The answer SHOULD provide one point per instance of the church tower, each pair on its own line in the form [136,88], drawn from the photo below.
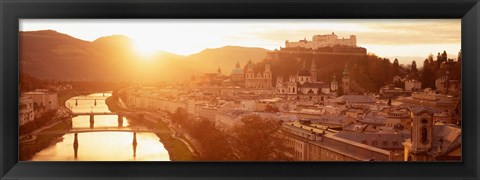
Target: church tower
[249,74]
[303,75]
[267,76]
[334,84]
[421,136]
[219,72]
[313,72]
[346,80]
[268,73]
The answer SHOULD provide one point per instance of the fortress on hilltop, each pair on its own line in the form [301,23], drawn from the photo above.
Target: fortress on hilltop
[320,41]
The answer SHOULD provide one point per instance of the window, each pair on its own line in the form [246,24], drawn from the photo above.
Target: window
[424,136]
[424,121]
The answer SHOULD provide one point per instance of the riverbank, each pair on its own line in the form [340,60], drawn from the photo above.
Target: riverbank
[28,149]
[65,95]
[177,149]
[113,104]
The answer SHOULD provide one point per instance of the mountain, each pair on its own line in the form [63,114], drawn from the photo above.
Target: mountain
[52,55]
[226,57]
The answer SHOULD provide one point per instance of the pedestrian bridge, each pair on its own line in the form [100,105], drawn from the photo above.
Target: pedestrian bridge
[95,113]
[103,129]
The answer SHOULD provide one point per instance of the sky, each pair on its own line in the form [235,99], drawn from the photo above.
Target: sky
[403,38]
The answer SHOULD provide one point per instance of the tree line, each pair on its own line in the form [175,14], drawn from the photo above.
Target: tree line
[368,71]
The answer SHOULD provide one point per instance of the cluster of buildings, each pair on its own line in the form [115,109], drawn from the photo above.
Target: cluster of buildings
[343,128]
[321,124]
[35,103]
[443,85]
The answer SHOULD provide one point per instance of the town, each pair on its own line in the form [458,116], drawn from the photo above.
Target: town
[414,117]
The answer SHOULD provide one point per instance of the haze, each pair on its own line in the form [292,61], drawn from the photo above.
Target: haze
[403,39]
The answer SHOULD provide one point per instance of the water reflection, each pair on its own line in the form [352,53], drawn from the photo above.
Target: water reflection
[102,146]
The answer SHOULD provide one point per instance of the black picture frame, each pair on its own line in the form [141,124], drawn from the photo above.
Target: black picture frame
[13,10]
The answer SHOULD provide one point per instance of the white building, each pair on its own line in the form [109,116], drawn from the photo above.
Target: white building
[319,41]
[48,99]
[26,112]
[413,85]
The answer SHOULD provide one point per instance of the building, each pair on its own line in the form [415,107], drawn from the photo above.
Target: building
[334,84]
[268,104]
[346,80]
[413,85]
[313,142]
[392,91]
[230,118]
[304,85]
[45,98]
[260,80]
[26,112]
[399,119]
[387,140]
[237,76]
[320,41]
[355,100]
[429,142]
[429,98]
[445,85]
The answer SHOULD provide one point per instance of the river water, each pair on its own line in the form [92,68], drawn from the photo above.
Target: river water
[102,146]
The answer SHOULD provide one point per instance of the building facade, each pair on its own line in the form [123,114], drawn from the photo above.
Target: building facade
[260,80]
[26,112]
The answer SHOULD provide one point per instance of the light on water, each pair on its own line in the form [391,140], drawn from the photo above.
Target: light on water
[102,146]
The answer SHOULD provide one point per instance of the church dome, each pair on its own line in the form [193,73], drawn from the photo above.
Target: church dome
[237,70]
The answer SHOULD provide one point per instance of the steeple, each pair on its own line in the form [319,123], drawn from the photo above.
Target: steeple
[346,81]
[237,65]
[345,70]
[313,72]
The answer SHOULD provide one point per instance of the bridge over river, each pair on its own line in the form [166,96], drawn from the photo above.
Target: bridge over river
[76,131]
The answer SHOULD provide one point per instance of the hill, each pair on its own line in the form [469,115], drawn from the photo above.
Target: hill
[48,54]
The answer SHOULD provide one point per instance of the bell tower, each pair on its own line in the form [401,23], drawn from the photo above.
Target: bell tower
[346,80]
[421,135]
[313,72]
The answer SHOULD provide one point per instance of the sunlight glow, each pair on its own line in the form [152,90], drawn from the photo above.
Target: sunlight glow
[145,49]
[187,36]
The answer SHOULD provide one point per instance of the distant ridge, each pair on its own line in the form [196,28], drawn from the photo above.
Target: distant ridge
[47,54]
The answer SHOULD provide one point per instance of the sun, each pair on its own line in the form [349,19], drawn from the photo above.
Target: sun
[145,49]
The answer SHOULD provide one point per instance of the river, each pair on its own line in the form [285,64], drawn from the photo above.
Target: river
[102,146]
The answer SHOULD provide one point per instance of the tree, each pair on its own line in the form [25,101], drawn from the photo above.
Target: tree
[259,139]
[414,67]
[215,143]
[459,57]
[180,116]
[444,57]
[427,74]
[396,68]
[430,58]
